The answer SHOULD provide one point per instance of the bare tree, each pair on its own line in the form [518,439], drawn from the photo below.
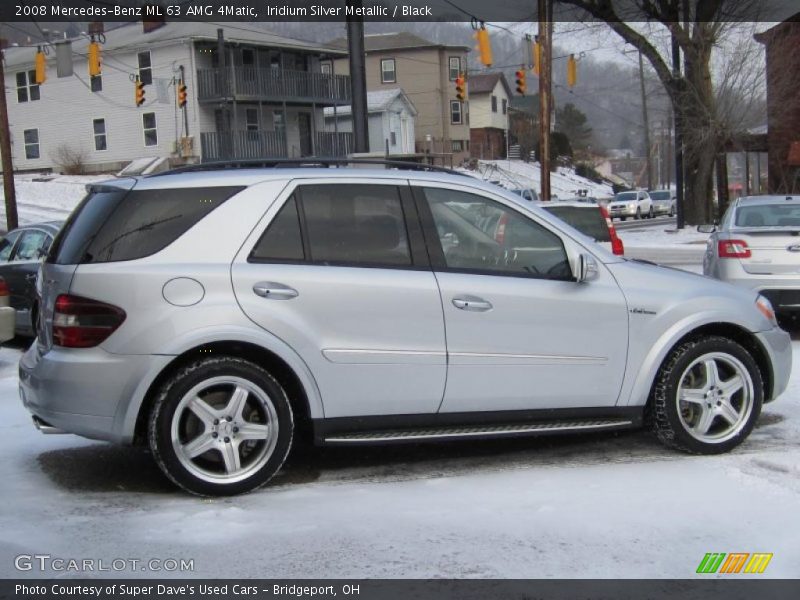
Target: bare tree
[71,160]
[698,27]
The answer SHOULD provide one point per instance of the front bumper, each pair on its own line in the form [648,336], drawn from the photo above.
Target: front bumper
[778,345]
[621,211]
[87,391]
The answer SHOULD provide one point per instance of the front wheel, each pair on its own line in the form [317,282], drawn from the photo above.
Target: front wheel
[638,214]
[221,426]
[651,214]
[707,396]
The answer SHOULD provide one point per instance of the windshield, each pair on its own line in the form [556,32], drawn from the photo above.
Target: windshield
[661,195]
[625,196]
[768,215]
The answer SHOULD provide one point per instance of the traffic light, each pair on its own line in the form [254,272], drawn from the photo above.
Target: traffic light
[461,87]
[572,71]
[537,57]
[139,92]
[484,46]
[181,94]
[521,83]
[41,66]
[94,59]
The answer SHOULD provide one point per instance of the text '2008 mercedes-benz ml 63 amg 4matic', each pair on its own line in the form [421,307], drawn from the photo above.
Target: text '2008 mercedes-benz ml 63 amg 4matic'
[216,313]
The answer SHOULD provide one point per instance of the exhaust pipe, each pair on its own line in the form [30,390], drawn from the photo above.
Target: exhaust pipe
[45,427]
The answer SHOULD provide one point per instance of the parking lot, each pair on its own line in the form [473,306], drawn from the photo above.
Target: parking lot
[603,505]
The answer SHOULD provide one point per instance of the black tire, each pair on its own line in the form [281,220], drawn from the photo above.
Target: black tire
[174,389]
[663,409]
[638,214]
[651,214]
[622,218]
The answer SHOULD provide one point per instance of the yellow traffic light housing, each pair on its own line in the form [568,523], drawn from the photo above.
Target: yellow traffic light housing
[94,59]
[461,87]
[139,92]
[181,94]
[521,82]
[572,71]
[40,64]
[484,46]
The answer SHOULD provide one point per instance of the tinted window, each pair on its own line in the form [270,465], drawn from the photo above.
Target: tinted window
[7,245]
[113,225]
[478,234]
[355,224]
[768,215]
[282,239]
[588,220]
[31,246]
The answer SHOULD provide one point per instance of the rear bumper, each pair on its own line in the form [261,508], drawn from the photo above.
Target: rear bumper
[7,323]
[88,392]
[778,345]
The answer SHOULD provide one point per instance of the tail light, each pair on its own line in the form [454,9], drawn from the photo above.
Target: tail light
[3,287]
[83,323]
[500,231]
[733,249]
[616,243]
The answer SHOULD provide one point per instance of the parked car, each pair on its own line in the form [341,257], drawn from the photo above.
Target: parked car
[757,246]
[322,304]
[527,193]
[631,204]
[663,202]
[21,253]
[7,314]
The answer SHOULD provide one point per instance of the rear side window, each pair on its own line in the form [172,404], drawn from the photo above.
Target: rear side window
[588,220]
[355,224]
[115,225]
[282,239]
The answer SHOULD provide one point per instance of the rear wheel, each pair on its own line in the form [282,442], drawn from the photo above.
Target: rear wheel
[622,218]
[221,426]
[707,396]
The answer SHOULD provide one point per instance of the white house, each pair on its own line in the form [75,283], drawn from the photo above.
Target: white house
[267,101]
[489,97]
[391,121]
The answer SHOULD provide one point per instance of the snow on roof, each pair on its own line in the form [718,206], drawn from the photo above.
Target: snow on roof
[377,101]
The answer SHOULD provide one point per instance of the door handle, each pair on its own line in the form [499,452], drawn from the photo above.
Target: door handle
[275,291]
[472,303]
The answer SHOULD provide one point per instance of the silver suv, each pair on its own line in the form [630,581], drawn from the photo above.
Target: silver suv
[220,315]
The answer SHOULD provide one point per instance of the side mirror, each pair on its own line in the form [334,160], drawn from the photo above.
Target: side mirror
[707,228]
[587,268]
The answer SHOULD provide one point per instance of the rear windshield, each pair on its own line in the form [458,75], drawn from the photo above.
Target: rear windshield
[114,225]
[589,220]
[768,215]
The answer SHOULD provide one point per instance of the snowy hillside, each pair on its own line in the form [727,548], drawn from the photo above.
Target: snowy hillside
[518,174]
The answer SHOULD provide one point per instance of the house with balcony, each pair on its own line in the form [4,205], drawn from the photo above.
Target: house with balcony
[250,94]
[426,72]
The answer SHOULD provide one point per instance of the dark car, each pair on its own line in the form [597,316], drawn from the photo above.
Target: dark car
[21,253]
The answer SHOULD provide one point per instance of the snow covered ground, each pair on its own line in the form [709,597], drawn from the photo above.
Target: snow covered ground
[50,200]
[589,506]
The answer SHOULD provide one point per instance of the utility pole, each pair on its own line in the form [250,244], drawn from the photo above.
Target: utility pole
[679,196]
[647,148]
[5,152]
[545,101]
[358,80]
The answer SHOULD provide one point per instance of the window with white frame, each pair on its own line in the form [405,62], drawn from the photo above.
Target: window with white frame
[494,103]
[99,130]
[325,68]
[455,67]
[456,116]
[457,146]
[505,106]
[145,68]
[278,120]
[27,88]
[96,83]
[31,137]
[150,129]
[388,71]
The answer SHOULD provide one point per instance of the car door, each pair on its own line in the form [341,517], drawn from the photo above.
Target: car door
[338,271]
[522,333]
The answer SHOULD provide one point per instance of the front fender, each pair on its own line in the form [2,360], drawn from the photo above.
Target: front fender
[127,414]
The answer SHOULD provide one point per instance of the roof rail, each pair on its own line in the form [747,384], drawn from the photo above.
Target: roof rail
[275,163]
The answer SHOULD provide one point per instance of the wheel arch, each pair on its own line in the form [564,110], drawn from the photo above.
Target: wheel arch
[272,354]
[645,380]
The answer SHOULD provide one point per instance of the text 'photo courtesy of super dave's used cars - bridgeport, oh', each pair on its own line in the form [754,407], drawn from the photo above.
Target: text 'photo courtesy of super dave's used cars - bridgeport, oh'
[335,303]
